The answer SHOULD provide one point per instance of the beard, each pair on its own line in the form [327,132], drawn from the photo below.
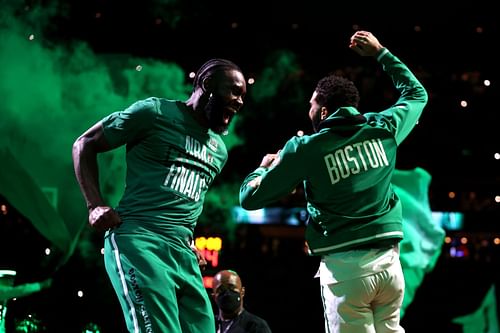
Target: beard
[315,121]
[214,111]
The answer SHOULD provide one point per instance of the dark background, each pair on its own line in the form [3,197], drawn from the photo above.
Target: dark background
[451,49]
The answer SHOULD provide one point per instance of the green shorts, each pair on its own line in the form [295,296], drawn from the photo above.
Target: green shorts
[158,283]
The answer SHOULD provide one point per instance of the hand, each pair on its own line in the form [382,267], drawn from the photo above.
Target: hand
[365,44]
[103,218]
[202,262]
[270,160]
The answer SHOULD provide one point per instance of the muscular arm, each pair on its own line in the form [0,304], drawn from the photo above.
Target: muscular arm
[85,150]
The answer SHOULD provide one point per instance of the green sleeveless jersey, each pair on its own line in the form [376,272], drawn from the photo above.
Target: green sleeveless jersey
[171,162]
[346,168]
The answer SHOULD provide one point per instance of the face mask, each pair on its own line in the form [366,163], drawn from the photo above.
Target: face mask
[228,301]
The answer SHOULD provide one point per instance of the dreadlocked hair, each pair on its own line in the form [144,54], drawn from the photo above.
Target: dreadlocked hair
[211,67]
[335,91]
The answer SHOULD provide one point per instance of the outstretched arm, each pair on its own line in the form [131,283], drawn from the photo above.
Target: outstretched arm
[277,176]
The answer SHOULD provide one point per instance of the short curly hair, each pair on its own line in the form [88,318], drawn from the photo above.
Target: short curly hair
[334,91]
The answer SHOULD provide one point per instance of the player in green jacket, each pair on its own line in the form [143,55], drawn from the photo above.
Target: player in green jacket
[355,217]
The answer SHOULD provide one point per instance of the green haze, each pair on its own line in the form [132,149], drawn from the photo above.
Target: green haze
[52,93]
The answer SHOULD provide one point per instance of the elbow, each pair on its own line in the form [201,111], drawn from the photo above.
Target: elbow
[418,95]
[77,147]
[247,204]
[425,96]
[244,203]
[83,146]
[421,94]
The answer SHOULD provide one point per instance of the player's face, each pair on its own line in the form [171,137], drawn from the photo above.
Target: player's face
[314,112]
[225,100]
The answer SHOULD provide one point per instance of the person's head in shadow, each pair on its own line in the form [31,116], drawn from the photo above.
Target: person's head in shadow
[228,293]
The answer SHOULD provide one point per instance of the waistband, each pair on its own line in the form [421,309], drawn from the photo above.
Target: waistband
[379,245]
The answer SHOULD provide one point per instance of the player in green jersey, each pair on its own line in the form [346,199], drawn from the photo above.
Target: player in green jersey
[174,152]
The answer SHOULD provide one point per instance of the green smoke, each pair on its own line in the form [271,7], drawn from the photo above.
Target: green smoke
[281,67]
[52,93]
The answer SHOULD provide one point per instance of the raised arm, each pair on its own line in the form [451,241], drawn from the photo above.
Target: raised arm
[413,96]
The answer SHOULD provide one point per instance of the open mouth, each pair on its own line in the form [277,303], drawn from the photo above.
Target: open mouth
[228,115]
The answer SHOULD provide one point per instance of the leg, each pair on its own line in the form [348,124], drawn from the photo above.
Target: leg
[144,281]
[347,306]
[196,314]
[387,304]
